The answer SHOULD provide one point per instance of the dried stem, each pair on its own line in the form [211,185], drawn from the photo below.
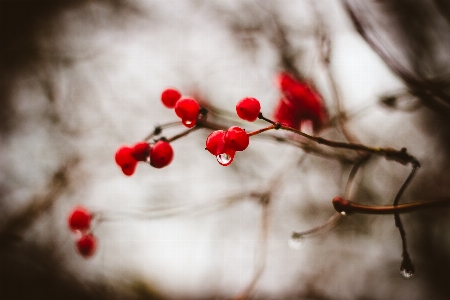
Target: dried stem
[400,156]
[348,207]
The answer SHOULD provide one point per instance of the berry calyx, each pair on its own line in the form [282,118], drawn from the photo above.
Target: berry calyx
[248,109]
[161,154]
[79,219]
[236,138]
[86,245]
[169,97]
[140,151]
[124,158]
[188,110]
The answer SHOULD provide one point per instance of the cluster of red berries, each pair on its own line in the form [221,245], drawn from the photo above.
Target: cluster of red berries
[186,109]
[158,155]
[80,222]
[225,144]
[299,103]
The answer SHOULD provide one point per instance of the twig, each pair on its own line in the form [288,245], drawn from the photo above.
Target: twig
[348,207]
[400,156]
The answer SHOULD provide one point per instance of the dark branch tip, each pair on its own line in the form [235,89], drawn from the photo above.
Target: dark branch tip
[341,205]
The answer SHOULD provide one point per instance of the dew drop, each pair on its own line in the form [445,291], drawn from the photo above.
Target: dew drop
[406,274]
[296,242]
[224,159]
[343,213]
[188,122]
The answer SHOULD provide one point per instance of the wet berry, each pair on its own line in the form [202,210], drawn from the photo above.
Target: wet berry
[169,97]
[236,138]
[248,109]
[124,158]
[213,141]
[86,245]
[161,154]
[140,151]
[80,219]
[187,109]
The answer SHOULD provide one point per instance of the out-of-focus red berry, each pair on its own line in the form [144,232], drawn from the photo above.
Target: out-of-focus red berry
[140,151]
[299,102]
[161,154]
[79,219]
[248,109]
[188,110]
[86,245]
[124,158]
[169,97]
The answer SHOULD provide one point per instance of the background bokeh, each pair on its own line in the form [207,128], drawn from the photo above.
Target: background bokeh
[81,78]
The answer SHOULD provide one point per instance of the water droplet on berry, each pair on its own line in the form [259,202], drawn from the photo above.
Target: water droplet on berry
[406,274]
[224,159]
[188,122]
[343,213]
[296,242]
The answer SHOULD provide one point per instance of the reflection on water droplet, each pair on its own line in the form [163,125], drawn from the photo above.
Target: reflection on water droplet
[343,213]
[296,242]
[188,122]
[224,159]
[406,274]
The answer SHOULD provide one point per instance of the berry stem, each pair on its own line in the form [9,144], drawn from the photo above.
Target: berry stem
[261,130]
[158,129]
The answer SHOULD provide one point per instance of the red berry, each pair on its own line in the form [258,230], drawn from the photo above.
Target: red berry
[187,109]
[80,219]
[86,245]
[299,102]
[169,97]
[248,109]
[124,158]
[161,154]
[213,141]
[224,144]
[129,169]
[140,151]
[236,138]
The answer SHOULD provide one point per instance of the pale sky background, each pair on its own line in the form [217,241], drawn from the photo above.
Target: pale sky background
[95,86]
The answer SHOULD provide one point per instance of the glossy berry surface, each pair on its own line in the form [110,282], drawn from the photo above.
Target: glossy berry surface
[124,158]
[161,154]
[169,97]
[86,245]
[248,109]
[188,110]
[215,141]
[140,151]
[236,138]
[298,104]
[80,219]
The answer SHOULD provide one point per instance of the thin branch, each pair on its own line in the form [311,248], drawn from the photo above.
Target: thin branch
[347,207]
[400,156]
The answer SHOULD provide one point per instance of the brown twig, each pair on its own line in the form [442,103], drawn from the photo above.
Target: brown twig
[347,207]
